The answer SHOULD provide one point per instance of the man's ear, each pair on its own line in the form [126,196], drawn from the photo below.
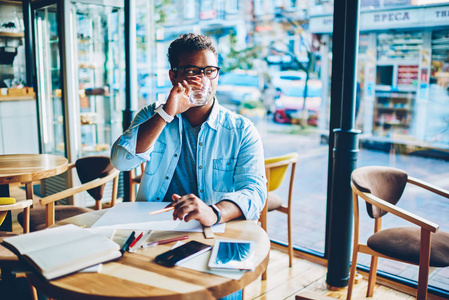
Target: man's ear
[172,76]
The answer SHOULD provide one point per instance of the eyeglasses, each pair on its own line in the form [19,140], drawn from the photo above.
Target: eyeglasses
[209,71]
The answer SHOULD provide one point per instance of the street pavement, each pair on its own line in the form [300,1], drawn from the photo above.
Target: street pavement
[310,190]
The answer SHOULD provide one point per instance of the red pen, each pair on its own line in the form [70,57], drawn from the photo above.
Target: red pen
[136,240]
[179,238]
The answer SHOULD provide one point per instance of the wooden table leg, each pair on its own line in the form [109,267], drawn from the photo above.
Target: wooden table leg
[29,191]
[26,220]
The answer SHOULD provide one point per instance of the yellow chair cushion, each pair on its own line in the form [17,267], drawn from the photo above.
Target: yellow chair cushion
[5,201]
[277,174]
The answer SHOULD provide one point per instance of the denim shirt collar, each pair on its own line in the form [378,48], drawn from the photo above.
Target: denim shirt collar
[212,121]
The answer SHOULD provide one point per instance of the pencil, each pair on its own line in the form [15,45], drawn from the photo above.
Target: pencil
[179,238]
[161,210]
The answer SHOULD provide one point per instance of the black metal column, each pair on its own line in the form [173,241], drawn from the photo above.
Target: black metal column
[26,8]
[131,76]
[343,90]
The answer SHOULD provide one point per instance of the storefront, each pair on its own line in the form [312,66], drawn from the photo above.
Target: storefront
[403,74]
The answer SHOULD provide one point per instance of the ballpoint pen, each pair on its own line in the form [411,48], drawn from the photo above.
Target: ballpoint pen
[129,240]
[136,240]
[153,244]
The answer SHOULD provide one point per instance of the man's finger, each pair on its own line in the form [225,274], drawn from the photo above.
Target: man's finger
[193,215]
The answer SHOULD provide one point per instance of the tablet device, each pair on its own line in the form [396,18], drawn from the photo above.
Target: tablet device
[182,253]
[232,255]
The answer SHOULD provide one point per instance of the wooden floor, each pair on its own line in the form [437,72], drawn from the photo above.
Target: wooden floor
[308,279]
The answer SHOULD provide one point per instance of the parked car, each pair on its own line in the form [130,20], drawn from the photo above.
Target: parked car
[289,105]
[283,79]
[235,88]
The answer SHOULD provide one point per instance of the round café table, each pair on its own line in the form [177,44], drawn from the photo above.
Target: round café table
[137,276]
[26,168]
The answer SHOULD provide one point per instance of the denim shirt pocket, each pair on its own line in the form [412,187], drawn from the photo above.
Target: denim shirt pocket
[155,158]
[223,174]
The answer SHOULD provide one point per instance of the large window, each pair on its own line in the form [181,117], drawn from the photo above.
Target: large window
[401,102]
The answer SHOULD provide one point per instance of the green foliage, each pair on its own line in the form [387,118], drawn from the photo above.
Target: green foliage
[240,59]
[251,104]
[161,11]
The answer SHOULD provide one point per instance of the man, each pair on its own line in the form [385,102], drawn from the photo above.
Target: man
[206,159]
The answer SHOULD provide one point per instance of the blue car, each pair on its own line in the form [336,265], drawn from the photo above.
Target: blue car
[234,88]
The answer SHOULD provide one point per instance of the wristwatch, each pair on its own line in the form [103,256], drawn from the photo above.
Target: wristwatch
[166,117]
[217,211]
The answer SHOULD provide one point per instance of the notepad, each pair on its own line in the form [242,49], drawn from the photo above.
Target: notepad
[63,250]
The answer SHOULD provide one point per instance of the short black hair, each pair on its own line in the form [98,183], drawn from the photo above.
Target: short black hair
[188,43]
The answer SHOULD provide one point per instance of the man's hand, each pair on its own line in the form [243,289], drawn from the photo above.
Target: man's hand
[178,98]
[190,207]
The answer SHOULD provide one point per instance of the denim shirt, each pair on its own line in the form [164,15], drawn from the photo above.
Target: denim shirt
[230,160]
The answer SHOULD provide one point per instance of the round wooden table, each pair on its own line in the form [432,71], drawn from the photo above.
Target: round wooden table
[136,276]
[26,168]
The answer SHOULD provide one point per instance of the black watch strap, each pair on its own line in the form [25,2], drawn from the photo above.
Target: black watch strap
[217,211]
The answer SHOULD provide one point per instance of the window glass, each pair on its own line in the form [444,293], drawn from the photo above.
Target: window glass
[268,50]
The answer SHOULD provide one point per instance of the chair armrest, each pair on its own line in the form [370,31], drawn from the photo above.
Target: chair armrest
[74,190]
[428,186]
[70,166]
[397,211]
[280,163]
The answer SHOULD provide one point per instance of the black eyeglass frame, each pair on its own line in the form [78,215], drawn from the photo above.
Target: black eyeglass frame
[201,70]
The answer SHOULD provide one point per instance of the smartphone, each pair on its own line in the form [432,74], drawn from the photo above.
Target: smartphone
[181,253]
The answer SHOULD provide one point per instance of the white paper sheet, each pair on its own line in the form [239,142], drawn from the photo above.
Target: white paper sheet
[134,215]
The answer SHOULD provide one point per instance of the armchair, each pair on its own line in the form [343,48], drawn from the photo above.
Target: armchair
[423,245]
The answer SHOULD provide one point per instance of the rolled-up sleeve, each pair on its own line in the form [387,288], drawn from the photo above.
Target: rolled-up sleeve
[123,151]
[249,176]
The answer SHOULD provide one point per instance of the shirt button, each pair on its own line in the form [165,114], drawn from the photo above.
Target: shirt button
[166,177]
[157,198]
[200,167]
[201,191]
[176,155]
[228,163]
[201,144]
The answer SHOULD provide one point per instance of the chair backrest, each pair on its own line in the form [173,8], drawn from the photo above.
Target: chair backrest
[93,167]
[276,168]
[94,172]
[383,182]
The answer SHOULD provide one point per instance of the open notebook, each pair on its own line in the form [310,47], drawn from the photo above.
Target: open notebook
[63,250]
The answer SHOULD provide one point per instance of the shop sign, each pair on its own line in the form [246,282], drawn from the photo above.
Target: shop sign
[321,24]
[207,15]
[412,17]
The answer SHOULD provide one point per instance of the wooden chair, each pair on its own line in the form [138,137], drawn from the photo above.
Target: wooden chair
[424,245]
[134,179]
[9,204]
[94,172]
[275,170]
